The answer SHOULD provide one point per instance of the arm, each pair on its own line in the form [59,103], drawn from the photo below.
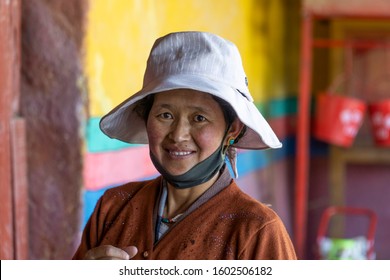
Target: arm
[90,234]
[89,248]
[271,242]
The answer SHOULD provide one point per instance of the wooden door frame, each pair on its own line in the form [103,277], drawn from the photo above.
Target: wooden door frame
[13,161]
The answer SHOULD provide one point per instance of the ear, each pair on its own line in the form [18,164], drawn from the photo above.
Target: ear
[234,131]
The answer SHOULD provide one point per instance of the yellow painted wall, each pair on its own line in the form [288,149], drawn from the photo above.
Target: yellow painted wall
[120,34]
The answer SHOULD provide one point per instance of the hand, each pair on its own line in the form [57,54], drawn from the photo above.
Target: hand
[108,252]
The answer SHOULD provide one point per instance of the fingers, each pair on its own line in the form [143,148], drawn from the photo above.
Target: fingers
[131,251]
[107,252]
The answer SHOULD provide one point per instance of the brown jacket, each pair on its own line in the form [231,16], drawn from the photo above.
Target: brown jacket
[230,225]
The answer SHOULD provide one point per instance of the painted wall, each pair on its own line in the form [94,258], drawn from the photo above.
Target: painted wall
[121,33]
[118,39]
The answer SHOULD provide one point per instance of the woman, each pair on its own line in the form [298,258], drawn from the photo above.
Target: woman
[194,110]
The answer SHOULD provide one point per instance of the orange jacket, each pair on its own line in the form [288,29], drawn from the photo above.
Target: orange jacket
[230,225]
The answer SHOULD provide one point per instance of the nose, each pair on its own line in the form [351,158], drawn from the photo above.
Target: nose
[180,131]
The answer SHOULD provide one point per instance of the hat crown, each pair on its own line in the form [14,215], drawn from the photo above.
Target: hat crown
[198,54]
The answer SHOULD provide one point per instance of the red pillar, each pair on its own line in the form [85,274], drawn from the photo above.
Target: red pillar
[302,146]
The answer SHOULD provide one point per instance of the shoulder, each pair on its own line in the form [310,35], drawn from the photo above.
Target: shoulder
[126,192]
[125,199]
[260,229]
[253,209]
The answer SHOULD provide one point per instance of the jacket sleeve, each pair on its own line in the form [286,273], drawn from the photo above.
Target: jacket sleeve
[91,233]
[271,242]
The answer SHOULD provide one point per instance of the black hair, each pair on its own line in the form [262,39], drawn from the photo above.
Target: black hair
[143,107]
[230,115]
[228,111]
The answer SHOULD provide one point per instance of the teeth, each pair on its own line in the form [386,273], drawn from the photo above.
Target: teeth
[180,153]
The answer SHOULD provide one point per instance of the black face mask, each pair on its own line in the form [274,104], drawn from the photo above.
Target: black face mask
[200,173]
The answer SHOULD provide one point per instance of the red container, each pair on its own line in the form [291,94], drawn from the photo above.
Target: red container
[338,118]
[380,122]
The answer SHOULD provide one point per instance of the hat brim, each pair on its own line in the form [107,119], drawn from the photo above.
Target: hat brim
[124,124]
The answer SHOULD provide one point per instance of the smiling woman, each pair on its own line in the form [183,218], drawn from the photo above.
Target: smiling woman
[184,128]
[193,110]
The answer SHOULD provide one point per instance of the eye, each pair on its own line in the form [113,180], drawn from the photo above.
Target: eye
[165,116]
[199,118]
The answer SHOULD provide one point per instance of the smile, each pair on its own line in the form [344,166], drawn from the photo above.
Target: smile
[180,153]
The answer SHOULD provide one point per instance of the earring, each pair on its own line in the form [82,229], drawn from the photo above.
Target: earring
[231,141]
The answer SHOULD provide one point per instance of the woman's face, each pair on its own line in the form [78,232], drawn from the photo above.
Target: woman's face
[184,128]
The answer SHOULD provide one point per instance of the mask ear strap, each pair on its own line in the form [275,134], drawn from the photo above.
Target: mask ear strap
[225,147]
[230,152]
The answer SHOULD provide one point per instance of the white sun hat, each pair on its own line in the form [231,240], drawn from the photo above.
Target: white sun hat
[199,61]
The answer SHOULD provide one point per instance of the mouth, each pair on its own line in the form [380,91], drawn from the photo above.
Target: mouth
[179,154]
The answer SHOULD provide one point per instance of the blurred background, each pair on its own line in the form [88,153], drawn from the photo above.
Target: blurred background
[319,71]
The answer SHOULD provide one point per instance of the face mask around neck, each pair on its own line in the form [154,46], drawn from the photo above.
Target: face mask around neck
[200,173]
